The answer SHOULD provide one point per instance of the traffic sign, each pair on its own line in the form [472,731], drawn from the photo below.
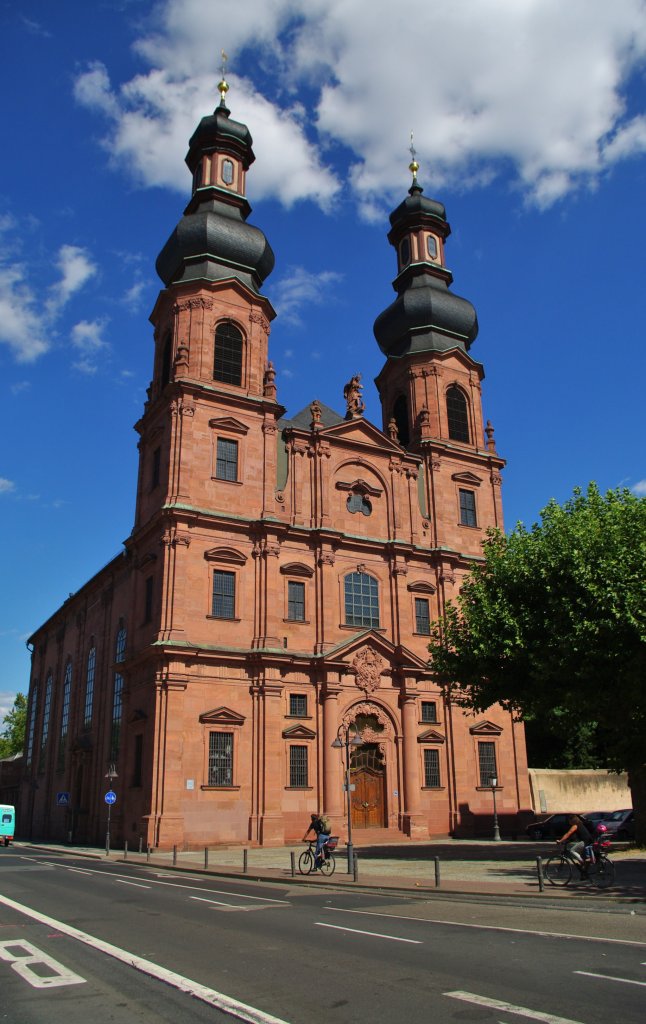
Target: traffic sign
[62,799]
[110,797]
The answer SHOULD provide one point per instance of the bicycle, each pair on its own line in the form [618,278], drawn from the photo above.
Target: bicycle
[307,859]
[559,869]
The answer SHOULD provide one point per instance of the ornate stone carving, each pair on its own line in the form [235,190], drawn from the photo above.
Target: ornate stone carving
[269,382]
[258,318]
[315,409]
[187,408]
[327,558]
[368,708]
[368,666]
[393,432]
[496,479]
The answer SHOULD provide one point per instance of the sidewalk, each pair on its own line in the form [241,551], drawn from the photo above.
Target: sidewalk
[465,867]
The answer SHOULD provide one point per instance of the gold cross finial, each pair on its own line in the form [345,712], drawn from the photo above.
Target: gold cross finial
[223,85]
[413,166]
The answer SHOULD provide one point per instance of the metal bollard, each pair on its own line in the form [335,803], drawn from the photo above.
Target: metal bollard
[245,856]
[206,857]
[292,858]
[174,855]
[141,843]
[355,867]
[148,852]
[125,850]
[539,872]
[437,872]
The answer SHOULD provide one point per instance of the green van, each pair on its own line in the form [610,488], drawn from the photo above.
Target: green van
[7,822]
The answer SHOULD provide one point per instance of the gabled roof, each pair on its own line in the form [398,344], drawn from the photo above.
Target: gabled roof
[371,638]
[303,419]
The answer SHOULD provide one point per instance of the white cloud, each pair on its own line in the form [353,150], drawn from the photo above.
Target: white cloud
[87,339]
[640,488]
[6,486]
[76,268]
[301,288]
[535,87]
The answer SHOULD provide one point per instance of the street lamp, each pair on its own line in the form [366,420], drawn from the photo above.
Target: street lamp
[109,799]
[339,743]
[496,830]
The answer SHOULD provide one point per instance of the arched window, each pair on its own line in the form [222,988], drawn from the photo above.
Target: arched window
[65,715]
[458,414]
[361,600]
[400,415]
[117,695]
[89,688]
[165,362]
[227,364]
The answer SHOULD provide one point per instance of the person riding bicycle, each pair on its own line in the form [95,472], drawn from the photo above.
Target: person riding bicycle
[321,827]
[581,845]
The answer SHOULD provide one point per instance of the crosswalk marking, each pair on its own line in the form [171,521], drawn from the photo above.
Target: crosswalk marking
[500,1004]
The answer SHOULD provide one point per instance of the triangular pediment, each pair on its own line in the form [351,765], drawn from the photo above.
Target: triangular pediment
[399,656]
[229,423]
[222,716]
[430,736]
[364,432]
[485,728]
[467,478]
[298,732]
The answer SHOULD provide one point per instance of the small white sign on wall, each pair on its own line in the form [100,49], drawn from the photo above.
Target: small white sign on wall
[190,783]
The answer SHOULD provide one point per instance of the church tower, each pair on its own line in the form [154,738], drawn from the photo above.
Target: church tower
[430,386]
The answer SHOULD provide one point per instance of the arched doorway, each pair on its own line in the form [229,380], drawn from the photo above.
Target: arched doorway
[368,777]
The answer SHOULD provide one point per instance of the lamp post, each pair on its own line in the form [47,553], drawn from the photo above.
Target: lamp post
[109,799]
[496,830]
[343,739]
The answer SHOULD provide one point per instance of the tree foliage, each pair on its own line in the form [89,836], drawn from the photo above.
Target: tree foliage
[552,625]
[12,738]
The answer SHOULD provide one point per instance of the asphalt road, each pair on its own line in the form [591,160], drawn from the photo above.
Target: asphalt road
[92,941]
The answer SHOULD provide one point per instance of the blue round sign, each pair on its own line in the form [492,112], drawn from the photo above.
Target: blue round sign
[110,797]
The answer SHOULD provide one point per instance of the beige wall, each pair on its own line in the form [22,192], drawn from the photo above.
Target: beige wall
[584,790]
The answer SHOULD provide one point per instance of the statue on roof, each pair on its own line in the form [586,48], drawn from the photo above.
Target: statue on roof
[352,394]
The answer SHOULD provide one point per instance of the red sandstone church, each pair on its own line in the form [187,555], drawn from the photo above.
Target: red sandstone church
[278,586]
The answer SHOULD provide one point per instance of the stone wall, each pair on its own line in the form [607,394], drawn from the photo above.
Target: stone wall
[583,790]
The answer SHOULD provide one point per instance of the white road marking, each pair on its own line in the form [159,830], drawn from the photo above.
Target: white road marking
[374,935]
[79,871]
[124,881]
[609,977]
[23,956]
[202,899]
[486,927]
[226,1004]
[521,1011]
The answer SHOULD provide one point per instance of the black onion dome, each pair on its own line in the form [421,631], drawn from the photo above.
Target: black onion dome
[213,240]
[425,316]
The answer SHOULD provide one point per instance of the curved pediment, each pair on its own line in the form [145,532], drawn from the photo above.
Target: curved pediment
[230,556]
[421,587]
[296,569]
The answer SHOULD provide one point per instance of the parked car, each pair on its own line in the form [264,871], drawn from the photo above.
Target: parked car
[551,827]
[621,824]
[594,817]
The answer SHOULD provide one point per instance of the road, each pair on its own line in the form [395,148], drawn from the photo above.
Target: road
[86,940]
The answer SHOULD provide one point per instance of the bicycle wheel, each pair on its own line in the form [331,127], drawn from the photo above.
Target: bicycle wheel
[328,865]
[603,873]
[558,870]
[306,862]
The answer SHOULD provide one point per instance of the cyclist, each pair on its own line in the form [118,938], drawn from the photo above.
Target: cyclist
[320,826]
[581,845]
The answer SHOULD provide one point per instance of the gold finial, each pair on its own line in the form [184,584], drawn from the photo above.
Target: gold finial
[223,85]
[413,166]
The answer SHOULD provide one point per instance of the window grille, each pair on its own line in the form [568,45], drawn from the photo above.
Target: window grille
[46,711]
[65,715]
[361,600]
[296,601]
[468,508]
[298,705]
[221,759]
[227,366]
[226,462]
[298,767]
[429,711]
[487,762]
[117,710]
[120,651]
[224,594]
[32,722]
[422,616]
[89,688]
[432,768]
[457,414]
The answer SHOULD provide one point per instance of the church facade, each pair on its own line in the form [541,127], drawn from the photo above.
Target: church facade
[277,590]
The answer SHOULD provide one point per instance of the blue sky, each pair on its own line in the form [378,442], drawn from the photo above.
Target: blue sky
[530,125]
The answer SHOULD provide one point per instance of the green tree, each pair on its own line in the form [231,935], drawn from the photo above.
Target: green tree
[12,738]
[552,626]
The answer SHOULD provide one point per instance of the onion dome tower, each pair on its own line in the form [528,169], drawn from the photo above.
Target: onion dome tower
[430,386]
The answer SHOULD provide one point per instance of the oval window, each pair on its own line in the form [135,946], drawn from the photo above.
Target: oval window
[404,252]
[431,245]
[227,172]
